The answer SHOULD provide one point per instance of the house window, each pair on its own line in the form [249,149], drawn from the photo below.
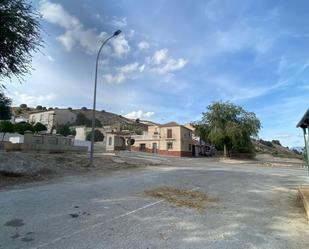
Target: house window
[110,140]
[189,146]
[169,146]
[169,133]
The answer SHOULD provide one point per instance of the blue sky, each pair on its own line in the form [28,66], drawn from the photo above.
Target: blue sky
[174,58]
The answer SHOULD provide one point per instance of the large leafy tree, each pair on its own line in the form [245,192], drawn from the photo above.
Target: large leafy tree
[5,106]
[229,127]
[20,37]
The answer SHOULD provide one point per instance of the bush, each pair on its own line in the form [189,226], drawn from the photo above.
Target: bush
[6,126]
[65,130]
[266,143]
[39,107]
[84,108]
[98,136]
[277,142]
[22,127]
[23,106]
[39,127]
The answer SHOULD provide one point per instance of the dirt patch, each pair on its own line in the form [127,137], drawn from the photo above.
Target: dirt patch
[46,166]
[182,197]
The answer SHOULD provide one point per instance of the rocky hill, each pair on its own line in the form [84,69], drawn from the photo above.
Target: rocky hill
[109,118]
[106,118]
[275,148]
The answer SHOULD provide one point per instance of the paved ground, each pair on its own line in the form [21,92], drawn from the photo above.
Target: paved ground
[257,208]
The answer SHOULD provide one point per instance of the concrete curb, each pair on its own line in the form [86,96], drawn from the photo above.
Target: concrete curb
[304,194]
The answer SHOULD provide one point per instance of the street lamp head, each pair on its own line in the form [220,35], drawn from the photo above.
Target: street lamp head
[117,32]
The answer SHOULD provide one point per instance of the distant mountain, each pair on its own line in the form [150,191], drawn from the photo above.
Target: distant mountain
[299,149]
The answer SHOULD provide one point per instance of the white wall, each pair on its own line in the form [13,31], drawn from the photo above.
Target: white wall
[82,143]
[15,137]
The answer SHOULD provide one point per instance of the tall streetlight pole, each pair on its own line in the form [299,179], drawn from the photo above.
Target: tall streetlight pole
[95,94]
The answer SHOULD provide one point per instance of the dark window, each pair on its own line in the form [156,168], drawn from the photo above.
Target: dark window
[189,146]
[169,146]
[169,133]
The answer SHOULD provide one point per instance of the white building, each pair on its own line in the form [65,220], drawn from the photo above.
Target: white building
[53,118]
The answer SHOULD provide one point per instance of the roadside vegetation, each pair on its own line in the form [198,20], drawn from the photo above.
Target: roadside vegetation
[229,127]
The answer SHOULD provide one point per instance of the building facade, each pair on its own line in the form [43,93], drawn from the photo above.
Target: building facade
[168,139]
[53,118]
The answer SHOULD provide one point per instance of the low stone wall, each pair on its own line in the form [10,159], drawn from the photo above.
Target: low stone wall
[8,146]
[50,143]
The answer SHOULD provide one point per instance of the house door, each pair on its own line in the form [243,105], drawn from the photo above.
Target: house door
[142,147]
[154,148]
[193,150]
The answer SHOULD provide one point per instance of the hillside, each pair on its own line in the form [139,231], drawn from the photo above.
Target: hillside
[275,149]
[106,118]
[109,118]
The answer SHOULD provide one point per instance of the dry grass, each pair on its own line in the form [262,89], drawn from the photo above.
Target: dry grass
[182,197]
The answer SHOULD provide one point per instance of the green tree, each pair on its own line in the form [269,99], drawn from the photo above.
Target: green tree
[20,37]
[230,127]
[21,127]
[23,106]
[64,130]
[39,107]
[39,127]
[6,126]
[5,107]
[98,136]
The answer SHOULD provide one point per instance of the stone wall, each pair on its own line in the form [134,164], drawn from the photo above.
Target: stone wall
[50,143]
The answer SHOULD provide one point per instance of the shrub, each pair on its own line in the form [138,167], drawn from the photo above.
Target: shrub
[98,136]
[65,130]
[22,127]
[39,127]
[23,106]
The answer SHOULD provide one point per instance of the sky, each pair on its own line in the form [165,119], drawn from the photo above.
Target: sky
[174,58]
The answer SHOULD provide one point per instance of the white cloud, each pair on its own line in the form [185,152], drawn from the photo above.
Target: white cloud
[143,45]
[124,73]
[142,68]
[119,22]
[162,63]
[76,34]
[56,14]
[31,100]
[159,56]
[120,45]
[139,114]
[239,38]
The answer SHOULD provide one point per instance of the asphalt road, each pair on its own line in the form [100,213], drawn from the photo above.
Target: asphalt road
[257,208]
